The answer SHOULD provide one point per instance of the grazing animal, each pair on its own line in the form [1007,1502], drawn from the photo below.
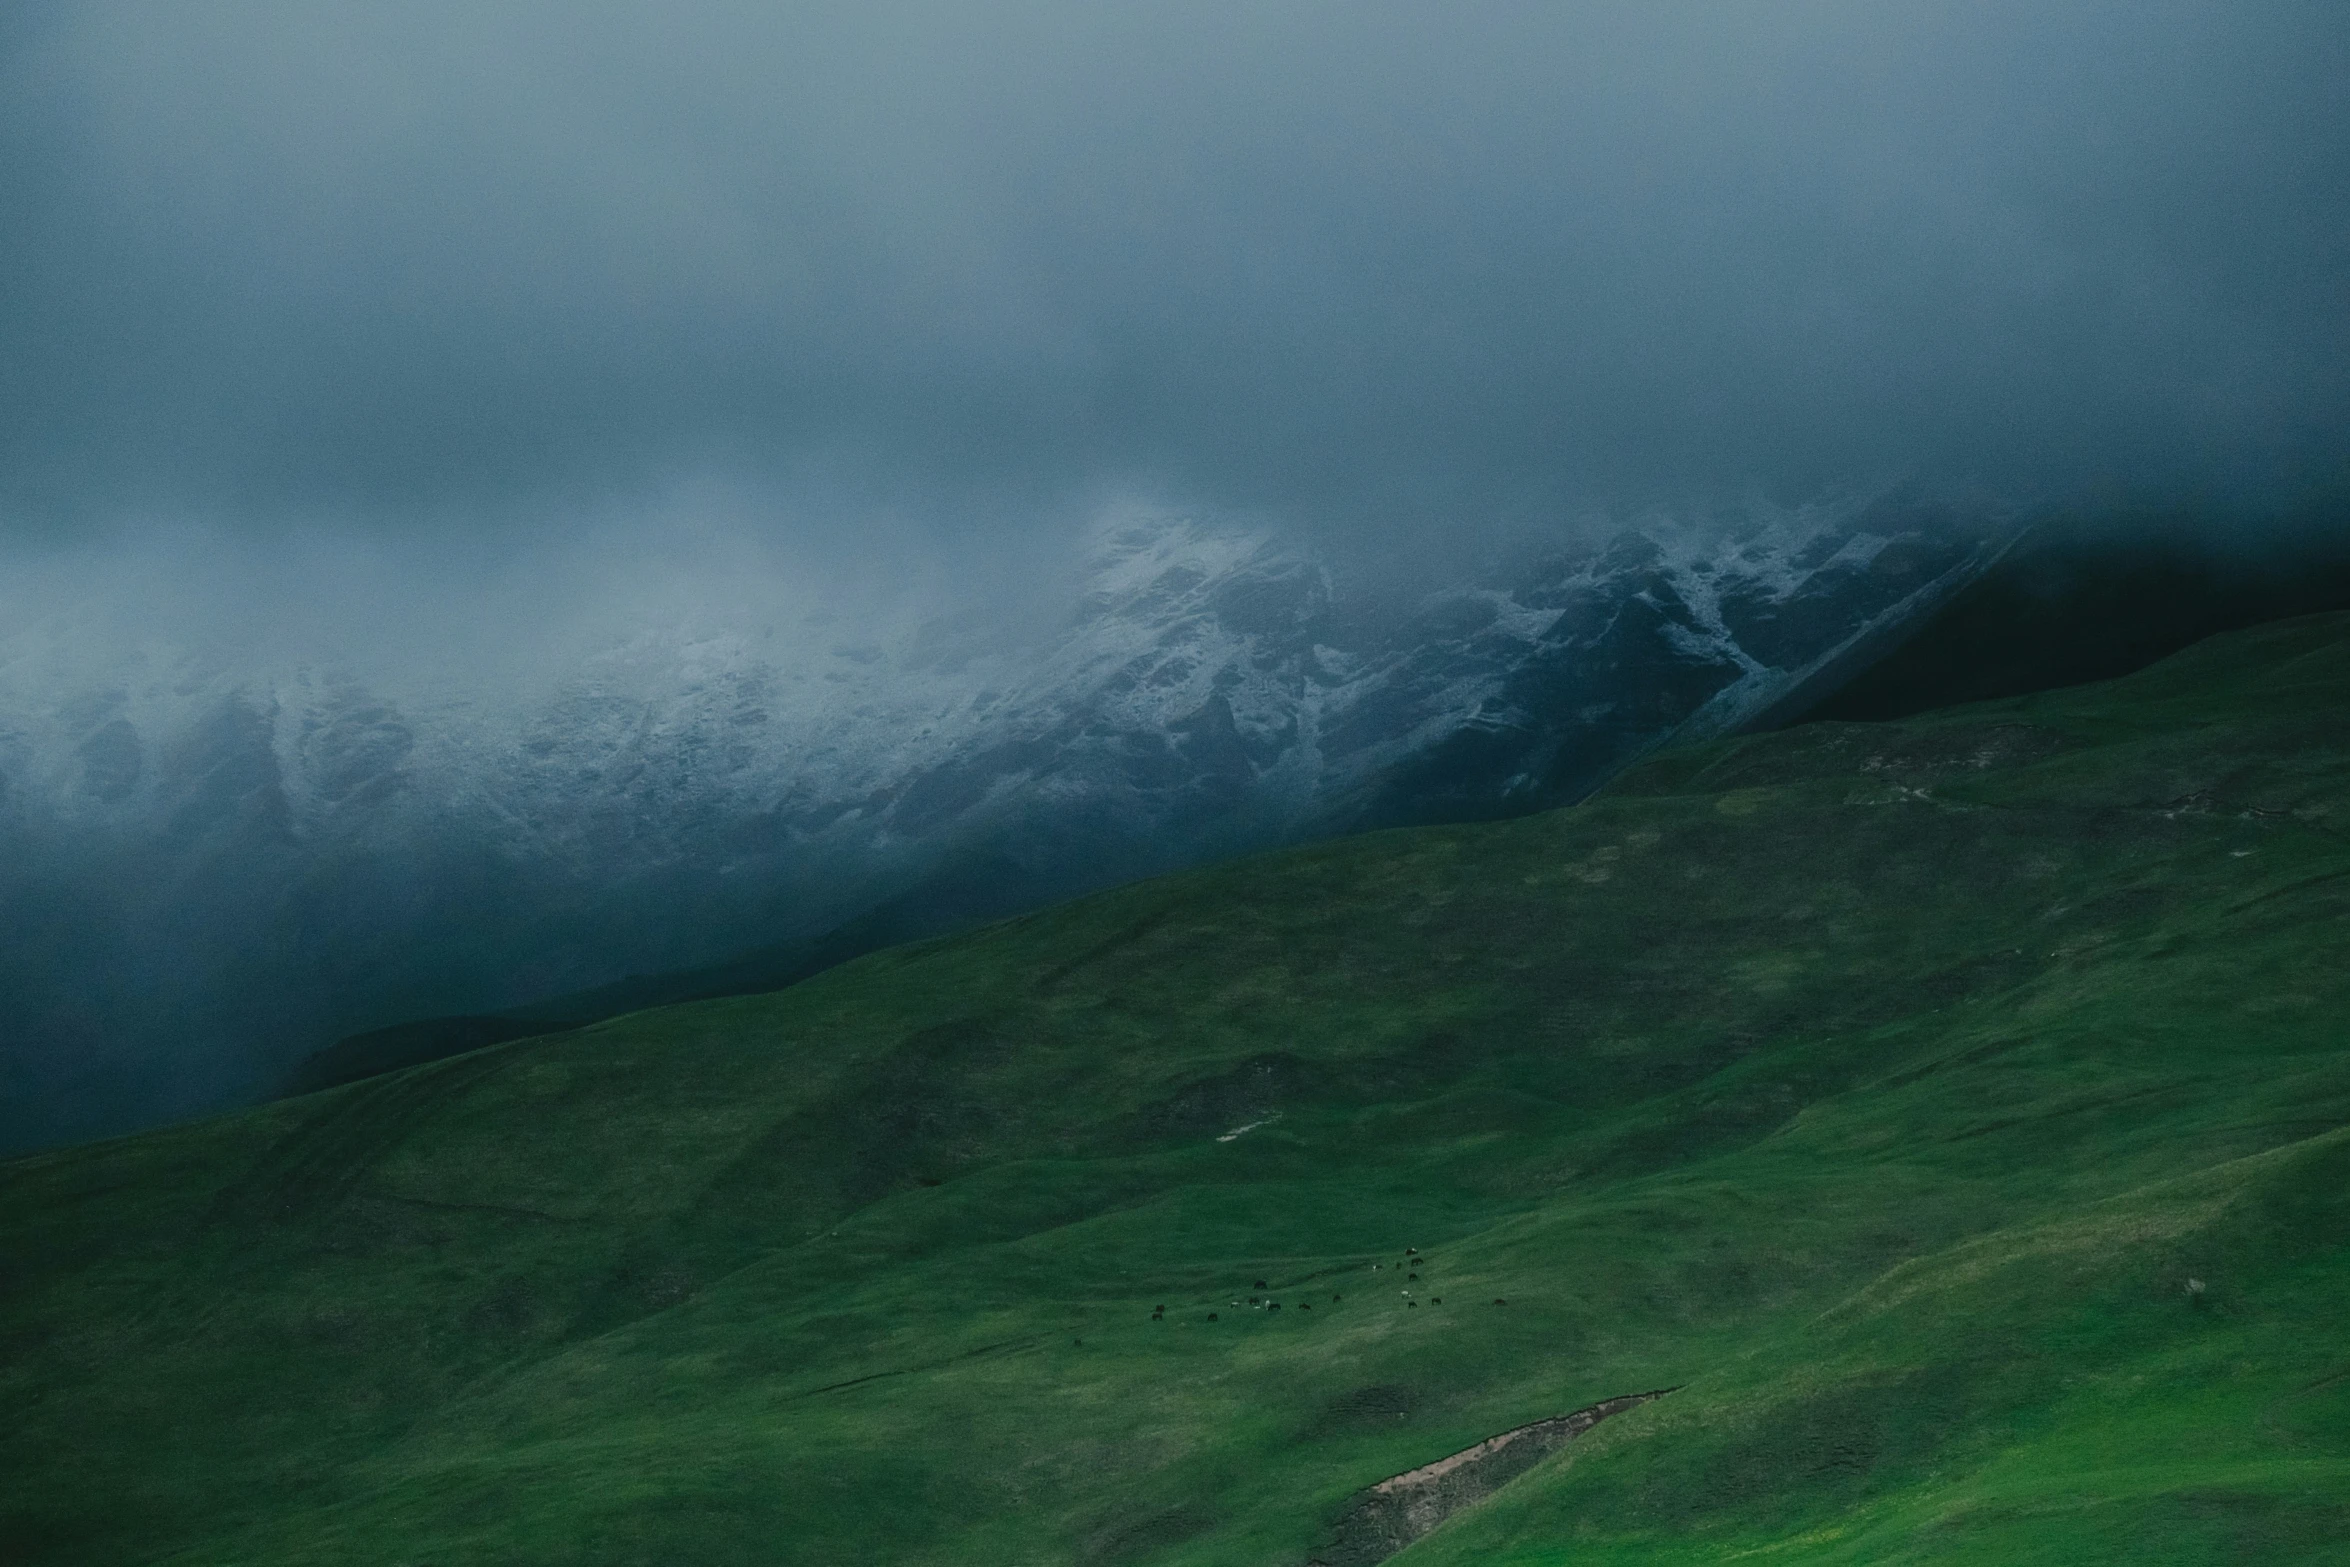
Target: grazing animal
[1436,1300]
[1333,1298]
[1305,1305]
[1260,1284]
[1211,1316]
[1415,1305]
[1498,1301]
[1415,1275]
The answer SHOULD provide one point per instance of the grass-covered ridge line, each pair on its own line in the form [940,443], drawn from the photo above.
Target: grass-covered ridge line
[1954,1110]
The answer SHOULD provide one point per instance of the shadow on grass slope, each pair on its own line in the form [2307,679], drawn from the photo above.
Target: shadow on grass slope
[1952,1110]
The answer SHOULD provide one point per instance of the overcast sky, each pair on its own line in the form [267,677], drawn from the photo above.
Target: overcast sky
[476,265]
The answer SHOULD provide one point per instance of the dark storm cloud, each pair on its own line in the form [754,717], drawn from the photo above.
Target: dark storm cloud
[501,259]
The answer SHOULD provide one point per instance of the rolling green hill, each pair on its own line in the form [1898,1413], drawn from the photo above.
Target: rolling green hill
[1953,1115]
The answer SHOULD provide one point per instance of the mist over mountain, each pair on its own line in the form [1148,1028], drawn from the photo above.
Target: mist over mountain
[226,864]
[500,498]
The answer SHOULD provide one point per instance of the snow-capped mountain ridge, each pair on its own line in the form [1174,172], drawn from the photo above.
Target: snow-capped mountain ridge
[1176,618]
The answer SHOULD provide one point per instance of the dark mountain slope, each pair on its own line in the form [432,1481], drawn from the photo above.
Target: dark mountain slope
[2087,599]
[1957,1112]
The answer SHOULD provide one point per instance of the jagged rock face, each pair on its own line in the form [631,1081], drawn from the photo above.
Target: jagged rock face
[208,864]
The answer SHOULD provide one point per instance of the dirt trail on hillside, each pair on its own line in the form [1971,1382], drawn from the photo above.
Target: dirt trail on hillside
[1401,1508]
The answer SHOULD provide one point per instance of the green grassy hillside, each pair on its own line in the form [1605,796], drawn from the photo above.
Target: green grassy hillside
[1955,1112]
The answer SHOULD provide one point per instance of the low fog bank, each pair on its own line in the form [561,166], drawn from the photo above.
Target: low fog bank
[254,797]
